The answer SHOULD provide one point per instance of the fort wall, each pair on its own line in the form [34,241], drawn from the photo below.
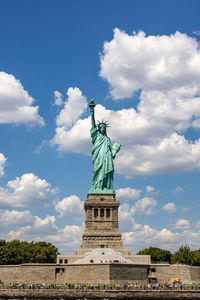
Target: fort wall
[28,273]
[97,273]
[85,274]
[164,273]
[128,273]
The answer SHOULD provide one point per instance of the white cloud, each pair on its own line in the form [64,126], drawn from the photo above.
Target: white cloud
[70,132]
[178,189]
[128,193]
[74,107]
[144,206]
[67,238]
[145,236]
[70,207]
[75,139]
[46,230]
[151,190]
[15,218]
[25,191]
[170,207]
[15,103]
[182,224]
[169,155]
[124,211]
[2,164]
[36,231]
[58,98]
[142,236]
[126,222]
[138,236]
[167,70]
[132,62]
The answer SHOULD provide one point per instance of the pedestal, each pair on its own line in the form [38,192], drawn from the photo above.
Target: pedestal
[101,222]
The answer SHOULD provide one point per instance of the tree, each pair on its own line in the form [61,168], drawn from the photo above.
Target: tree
[157,254]
[45,252]
[4,253]
[16,252]
[195,257]
[182,256]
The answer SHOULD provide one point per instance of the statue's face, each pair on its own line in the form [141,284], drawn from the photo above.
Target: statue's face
[102,129]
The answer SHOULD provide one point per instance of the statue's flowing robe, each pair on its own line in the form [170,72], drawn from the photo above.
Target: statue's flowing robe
[103,167]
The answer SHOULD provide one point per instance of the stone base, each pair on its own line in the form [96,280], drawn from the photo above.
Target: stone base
[102,240]
[101,222]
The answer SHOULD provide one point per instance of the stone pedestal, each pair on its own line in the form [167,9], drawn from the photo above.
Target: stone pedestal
[101,222]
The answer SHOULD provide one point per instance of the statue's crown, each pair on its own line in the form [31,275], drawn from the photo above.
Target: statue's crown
[106,123]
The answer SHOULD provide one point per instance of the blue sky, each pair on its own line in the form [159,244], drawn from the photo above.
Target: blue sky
[140,61]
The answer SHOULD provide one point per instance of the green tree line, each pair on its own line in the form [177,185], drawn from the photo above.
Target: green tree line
[184,255]
[16,252]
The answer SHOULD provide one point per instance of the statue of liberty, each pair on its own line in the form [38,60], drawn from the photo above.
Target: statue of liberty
[103,155]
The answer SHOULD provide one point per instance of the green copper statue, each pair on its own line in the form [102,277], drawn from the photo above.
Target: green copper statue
[103,155]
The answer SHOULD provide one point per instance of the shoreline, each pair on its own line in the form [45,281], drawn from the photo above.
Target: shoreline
[98,294]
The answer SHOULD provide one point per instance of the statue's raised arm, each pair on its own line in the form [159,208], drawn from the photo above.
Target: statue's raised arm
[103,155]
[92,106]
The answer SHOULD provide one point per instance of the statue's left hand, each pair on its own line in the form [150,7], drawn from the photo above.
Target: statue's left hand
[115,148]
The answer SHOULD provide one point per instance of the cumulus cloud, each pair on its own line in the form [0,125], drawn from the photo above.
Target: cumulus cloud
[74,107]
[68,138]
[178,189]
[151,190]
[182,224]
[170,207]
[26,190]
[58,98]
[169,155]
[166,70]
[144,206]
[2,164]
[128,193]
[67,238]
[36,231]
[143,236]
[46,229]
[140,236]
[70,207]
[125,217]
[132,62]
[15,218]
[16,105]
